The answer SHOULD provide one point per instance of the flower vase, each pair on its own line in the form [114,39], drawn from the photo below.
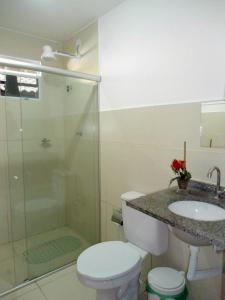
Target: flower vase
[182,183]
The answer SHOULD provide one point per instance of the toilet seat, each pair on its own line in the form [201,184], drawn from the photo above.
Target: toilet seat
[109,264]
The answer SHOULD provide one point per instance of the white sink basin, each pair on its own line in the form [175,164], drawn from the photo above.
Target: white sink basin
[196,210]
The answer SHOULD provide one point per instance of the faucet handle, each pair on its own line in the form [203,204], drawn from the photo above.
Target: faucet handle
[209,173]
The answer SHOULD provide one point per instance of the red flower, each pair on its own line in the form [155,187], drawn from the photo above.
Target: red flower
[179,168]
[176,165]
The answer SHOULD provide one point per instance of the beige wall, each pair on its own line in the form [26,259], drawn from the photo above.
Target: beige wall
[21,45]
[137,146]
[89,50]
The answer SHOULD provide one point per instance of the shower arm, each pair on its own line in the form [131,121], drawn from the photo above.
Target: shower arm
[66,54]
[77,54]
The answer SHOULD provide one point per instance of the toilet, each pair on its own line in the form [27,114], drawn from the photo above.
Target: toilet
[113,268]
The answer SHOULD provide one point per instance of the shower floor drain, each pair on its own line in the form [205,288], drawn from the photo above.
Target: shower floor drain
[51,249]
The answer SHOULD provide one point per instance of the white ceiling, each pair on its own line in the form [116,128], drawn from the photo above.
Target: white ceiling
[52,19]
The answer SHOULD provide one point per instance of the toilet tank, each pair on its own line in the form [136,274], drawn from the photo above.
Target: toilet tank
[143,230]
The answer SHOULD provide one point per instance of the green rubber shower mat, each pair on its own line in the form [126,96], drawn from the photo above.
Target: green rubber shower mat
[50,250]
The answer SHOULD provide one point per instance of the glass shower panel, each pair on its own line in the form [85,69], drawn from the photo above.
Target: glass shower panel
[81,159]
[17,267]
[6,249]
[49,171]
[60,165]
[43,160]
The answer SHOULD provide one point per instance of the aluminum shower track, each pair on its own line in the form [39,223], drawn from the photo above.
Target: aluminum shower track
[32,66]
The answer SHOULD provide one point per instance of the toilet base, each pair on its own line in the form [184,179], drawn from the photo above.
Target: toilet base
[126,292]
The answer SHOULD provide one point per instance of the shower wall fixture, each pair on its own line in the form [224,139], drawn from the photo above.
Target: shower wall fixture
[49,54]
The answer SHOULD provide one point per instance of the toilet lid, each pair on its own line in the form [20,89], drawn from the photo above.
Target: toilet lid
[107,260]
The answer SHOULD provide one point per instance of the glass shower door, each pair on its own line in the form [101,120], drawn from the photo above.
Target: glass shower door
[7,278]
[60,164]
[16,268]
[49,172]
[43,157]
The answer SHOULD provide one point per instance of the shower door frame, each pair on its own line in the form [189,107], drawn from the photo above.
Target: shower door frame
[13,62]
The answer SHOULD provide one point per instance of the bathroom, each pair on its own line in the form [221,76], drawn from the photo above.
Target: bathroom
[129,85]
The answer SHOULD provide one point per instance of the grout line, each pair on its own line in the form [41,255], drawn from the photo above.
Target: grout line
[157,104]
[42,292]
[39,286]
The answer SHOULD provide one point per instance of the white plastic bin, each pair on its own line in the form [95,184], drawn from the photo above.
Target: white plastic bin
[166,284]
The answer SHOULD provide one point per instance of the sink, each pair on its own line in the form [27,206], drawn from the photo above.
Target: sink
[197,210]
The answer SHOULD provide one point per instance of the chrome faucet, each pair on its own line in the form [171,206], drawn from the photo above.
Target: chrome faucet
[218,188]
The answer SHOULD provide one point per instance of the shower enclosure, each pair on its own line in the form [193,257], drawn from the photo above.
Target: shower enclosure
[49,169]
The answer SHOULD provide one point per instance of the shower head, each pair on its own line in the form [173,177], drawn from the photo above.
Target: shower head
[49,54]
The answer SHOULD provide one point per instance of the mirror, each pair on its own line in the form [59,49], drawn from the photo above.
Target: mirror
[212,130]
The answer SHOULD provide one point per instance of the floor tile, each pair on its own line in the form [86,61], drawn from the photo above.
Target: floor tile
[67,287]
[21,292]
[33,295]
[61,285]
[53,277]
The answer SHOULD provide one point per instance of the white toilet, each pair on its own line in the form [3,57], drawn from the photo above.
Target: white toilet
[113,268]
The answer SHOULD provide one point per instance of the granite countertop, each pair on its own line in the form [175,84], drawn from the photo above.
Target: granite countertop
[156,205]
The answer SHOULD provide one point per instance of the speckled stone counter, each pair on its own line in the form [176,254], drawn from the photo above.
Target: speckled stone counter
[156,205]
